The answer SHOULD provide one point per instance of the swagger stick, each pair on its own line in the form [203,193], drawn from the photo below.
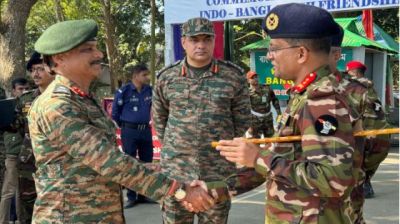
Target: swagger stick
[298,137]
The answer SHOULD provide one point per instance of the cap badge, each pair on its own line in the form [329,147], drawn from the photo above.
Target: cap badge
[272,21]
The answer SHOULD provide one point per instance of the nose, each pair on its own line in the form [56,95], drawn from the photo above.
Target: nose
[201,44]
[99,54]
[269,56]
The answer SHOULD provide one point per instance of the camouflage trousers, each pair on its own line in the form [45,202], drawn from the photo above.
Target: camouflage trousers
[261,125]
[27,188]
[357,202]
[174,213]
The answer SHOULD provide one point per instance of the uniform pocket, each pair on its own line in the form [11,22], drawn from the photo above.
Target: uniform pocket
[178,95]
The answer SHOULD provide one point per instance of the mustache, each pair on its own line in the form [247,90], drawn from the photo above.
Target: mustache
[96,62]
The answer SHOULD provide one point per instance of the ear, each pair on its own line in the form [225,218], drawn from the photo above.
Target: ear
[57,59]
[303,55]
[183,42]
[338,55]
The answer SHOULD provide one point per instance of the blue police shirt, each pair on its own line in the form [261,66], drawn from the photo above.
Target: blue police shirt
[131,106]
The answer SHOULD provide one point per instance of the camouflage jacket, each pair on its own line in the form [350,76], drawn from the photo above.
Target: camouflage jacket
[368,113]
[261,99]
[79,167]
[367,107]
[310,181]
[190,111]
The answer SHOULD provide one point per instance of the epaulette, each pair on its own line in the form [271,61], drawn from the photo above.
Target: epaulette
[168,67]
[231,64]
[122,89]
[60,89]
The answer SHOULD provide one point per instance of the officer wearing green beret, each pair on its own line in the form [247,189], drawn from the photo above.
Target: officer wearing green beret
[79,167]
[309,181]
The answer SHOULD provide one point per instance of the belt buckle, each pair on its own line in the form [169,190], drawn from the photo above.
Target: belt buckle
[141,127]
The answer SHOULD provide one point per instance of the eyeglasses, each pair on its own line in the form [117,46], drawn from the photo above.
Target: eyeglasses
[272,51]
[37,69]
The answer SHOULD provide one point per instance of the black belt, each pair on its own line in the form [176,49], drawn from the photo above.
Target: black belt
[137,126]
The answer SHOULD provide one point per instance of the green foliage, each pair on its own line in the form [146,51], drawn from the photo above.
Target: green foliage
[132,21]
[246,32]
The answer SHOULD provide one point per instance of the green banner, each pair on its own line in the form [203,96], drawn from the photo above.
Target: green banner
[347,55]
[266,72]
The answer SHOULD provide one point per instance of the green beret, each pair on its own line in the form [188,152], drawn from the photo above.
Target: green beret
[64,36]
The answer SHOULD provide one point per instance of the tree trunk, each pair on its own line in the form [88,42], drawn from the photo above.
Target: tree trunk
[59,11]
[153,42]
[12,40]
[111,44]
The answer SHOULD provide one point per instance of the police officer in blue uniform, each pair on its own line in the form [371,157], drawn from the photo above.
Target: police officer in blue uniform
[131,110]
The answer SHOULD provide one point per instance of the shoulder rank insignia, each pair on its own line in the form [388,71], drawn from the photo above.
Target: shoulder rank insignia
[61,89]
[326,125]
[168,67]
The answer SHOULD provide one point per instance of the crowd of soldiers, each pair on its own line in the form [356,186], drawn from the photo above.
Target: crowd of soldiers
[70,149]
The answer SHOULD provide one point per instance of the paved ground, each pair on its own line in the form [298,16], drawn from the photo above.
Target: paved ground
[249,208]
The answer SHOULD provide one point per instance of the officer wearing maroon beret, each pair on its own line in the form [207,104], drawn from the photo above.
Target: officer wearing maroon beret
[356,68]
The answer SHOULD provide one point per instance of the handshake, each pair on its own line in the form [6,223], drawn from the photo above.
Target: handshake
[198,196]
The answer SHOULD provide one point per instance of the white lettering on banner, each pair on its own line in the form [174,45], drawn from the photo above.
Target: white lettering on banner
[263,59]
[178,11]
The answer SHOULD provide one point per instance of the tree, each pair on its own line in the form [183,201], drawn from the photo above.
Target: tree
[12,39]
[111,43]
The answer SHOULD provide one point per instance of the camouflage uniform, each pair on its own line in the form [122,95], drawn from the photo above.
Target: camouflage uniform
[79,167]
[261,115]
[310,181]
[10,188]
[189,111]
[27,193]
[368,112]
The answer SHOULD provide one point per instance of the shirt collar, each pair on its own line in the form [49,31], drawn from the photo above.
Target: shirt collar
[311,78]
[72,86]
[214,68]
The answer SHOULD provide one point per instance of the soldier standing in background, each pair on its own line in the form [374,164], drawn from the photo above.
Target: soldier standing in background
[377,147]
[79,167]
[27,192]
[309,181]
[12,144]
[195,101]
[261,97]
[366,112]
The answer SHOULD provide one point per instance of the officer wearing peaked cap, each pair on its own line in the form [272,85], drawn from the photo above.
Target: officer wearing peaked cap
[309,181]
[79,167]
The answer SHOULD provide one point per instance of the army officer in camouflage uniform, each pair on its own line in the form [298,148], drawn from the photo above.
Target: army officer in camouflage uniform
[195,101]
[309,181]
[79,167]
[20,139]
[261,97]
[366,112]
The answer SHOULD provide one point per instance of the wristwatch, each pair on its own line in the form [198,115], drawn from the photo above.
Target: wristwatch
[180,193]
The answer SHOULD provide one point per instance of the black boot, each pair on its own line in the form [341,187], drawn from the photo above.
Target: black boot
[368,190]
